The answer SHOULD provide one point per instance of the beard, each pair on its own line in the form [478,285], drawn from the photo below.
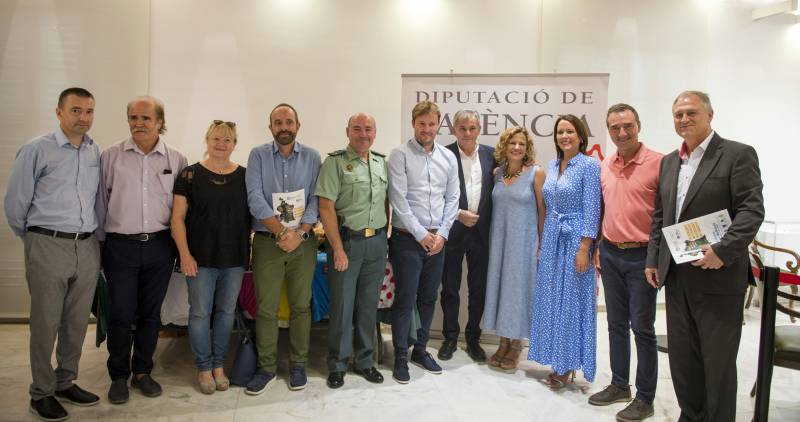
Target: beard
[285,137]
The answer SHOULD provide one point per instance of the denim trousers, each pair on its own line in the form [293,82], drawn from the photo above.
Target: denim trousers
[417,280]
[212,290]
[630,306]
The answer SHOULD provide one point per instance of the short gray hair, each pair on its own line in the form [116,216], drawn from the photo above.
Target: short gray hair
[158,106]
[700,95]
[467,114]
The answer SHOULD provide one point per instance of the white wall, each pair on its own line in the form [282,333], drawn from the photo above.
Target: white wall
[655,49]
[235,60]
[45,47]
[329,59]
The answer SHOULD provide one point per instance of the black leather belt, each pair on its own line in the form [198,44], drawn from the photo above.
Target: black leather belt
[58,234]
[141,237]
[365,233]
[268,234]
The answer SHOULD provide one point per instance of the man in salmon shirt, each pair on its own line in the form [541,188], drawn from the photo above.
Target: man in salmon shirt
[629,179]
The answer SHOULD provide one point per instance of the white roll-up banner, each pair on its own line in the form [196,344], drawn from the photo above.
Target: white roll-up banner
[531,100]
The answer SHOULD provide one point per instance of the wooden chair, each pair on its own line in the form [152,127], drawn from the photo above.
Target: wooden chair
[791,268]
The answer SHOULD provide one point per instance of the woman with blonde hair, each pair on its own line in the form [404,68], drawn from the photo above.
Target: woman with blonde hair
[211,228]
[517,219]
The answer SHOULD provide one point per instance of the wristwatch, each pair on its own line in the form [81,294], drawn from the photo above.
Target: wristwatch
[303,234]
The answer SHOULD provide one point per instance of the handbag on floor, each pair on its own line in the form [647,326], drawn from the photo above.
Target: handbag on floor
[246,361]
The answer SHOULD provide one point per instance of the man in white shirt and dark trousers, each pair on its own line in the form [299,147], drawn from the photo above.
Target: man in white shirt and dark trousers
[469,236]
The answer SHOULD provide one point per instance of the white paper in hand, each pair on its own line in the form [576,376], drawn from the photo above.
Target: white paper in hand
[686,238]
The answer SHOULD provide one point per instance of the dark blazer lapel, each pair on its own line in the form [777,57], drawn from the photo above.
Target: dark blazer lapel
[707,164]
[672,165]
[462,200]
[486,159]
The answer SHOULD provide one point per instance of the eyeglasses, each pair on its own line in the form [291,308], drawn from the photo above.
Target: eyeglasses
[229,124]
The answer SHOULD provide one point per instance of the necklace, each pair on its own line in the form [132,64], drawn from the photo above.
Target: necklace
[219,176]
[509,176]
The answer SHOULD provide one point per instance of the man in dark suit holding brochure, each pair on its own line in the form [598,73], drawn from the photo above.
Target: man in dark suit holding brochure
[705,298]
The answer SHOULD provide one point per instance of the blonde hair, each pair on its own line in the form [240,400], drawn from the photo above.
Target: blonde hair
[502,145]
[425,107]
[225,128]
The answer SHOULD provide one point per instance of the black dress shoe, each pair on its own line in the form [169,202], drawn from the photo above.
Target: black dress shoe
[78,396]
[370,374]
[147,385]
[336,379]
[48,409]
[447,349]
[118,392]
[475,351]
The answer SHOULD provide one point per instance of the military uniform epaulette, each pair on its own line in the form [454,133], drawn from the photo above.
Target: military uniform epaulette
[379,154]
[337,153]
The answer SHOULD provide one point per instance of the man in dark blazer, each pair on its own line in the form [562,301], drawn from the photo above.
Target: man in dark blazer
[469,236]
[705,298]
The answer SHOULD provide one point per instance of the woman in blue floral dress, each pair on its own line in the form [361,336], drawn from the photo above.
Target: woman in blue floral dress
[563,329]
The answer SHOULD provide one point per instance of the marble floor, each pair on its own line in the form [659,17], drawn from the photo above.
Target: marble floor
[464,392]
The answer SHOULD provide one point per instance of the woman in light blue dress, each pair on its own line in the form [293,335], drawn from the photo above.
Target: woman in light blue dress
[563,329]
[514,240]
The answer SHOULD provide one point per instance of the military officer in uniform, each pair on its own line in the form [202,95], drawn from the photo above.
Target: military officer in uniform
[352,188]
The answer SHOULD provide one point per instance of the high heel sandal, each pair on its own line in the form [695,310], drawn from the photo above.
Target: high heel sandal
[558,382]
[510,361]
[501,352]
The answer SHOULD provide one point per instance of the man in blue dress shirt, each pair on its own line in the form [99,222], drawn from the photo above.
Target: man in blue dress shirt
[50,205]
[281,179]
[424,193]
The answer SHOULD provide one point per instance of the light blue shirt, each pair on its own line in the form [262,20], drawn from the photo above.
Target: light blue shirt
[269,172]
[423,189]
[54,185]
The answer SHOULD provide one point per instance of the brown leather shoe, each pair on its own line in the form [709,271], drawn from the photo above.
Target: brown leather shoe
[500,353]
[637,410]
[610,395]
[511,359]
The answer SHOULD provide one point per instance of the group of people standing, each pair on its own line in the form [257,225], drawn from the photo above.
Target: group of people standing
[533,234]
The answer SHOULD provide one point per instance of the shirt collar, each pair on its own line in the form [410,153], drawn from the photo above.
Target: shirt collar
[575,159]
[417,147]
[638,158]
[350,154]
[463,154]
[130,145]
[61,138]
[683,151]
[295,148]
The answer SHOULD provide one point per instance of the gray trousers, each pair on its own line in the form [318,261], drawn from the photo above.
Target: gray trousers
[62,276]
[354,302]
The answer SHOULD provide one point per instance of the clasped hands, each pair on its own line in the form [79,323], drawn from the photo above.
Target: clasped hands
[468,218]
[289,241]
[432,243]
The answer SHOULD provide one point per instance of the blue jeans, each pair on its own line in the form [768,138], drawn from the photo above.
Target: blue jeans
[630,305]
[417,279]
[213,289]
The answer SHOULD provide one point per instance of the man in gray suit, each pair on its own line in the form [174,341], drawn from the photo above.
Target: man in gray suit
[705,298]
